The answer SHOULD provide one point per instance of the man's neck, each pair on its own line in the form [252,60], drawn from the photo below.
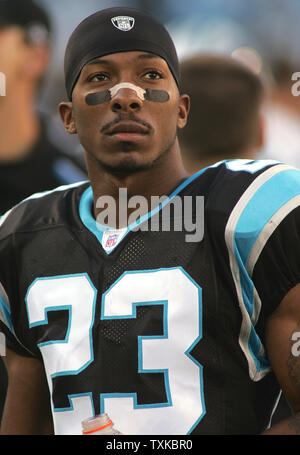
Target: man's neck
[19,125]
[159,180]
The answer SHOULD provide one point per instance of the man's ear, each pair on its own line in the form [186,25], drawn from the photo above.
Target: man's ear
[183,110]
[66,114]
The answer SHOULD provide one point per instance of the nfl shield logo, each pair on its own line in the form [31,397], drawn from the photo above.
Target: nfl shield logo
[123,23]
[111,241]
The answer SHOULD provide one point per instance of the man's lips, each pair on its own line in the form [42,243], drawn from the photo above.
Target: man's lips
[127,128]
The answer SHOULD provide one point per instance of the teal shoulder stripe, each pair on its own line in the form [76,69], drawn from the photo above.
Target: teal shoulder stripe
[269,193]
[5,314]
[265,202]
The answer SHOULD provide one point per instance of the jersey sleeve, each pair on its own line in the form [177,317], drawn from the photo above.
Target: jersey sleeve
[263,234]
[262,238]
[277,269]
[10,318]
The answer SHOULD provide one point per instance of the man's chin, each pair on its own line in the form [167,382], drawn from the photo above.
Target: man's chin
[127,160]
[123,162]
[126,166]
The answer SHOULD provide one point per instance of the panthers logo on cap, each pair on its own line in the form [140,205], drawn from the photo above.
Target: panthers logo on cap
[123,23]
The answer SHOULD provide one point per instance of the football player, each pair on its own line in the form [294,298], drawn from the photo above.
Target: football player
[165,332]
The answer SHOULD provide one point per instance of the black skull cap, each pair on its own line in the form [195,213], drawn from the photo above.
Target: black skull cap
[115,30]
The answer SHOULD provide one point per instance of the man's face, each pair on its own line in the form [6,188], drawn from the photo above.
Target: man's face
[23,63]
[126,133]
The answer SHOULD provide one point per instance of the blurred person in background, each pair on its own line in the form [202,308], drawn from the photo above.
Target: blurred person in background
[225,120]
[282,114]
[30,160]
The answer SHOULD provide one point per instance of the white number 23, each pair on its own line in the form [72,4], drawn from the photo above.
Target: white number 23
[168,354]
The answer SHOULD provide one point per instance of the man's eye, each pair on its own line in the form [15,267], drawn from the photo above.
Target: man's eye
[153,75]
[99,77]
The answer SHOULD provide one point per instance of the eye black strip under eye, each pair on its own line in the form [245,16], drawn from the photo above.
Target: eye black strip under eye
[158,96]
[92,99]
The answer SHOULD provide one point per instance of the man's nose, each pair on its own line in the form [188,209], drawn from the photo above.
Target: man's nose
[126,99]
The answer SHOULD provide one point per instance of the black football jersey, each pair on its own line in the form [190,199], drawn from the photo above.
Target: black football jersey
[160,328]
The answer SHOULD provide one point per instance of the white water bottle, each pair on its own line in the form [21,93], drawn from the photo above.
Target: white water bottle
[98,425]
